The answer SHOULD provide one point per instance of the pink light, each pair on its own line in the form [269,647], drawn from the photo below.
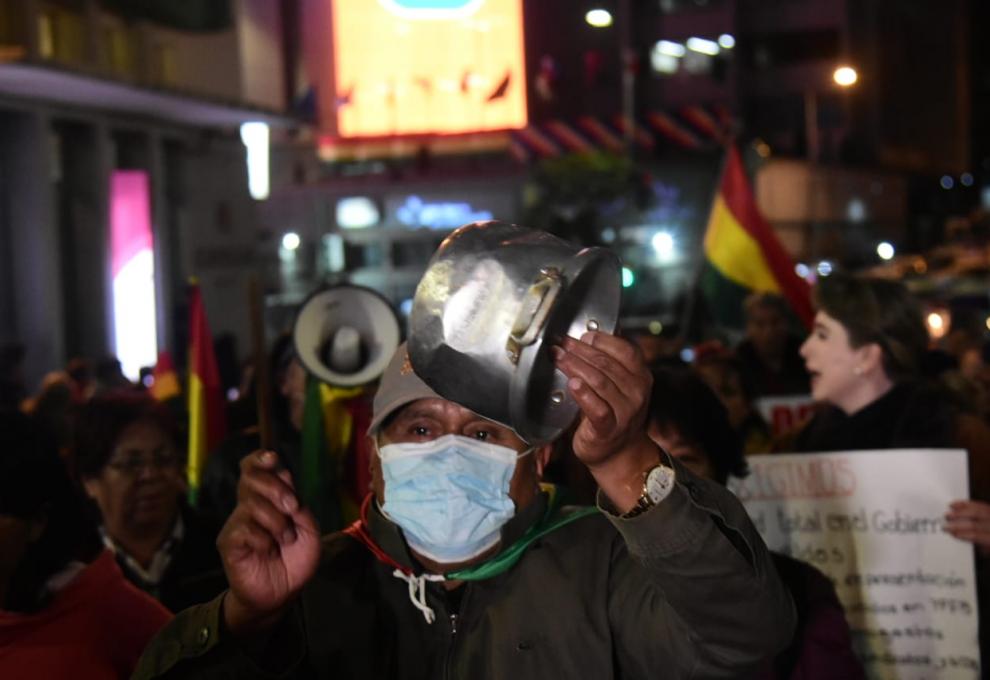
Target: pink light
[130,216]
[132,264]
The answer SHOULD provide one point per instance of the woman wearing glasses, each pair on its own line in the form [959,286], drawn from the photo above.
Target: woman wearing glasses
[126,456]
[65,609]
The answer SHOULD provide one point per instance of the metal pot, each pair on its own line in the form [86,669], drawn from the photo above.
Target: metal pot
[495,297]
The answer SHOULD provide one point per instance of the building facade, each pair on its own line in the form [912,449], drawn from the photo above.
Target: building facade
[92,92]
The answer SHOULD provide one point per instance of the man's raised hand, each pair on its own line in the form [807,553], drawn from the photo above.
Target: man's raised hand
[611,384]
[270,546]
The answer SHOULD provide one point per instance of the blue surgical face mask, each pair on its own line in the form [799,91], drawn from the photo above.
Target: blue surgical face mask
[450,496]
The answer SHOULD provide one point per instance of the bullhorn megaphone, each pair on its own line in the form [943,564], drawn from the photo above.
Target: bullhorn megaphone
[345,335]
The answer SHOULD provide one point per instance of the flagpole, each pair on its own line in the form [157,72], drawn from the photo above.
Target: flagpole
[700,258]
[262,385]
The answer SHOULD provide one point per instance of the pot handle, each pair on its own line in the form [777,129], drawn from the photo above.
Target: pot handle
[533,314]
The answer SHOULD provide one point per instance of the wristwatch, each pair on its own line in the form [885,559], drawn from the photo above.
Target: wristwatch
[658,482]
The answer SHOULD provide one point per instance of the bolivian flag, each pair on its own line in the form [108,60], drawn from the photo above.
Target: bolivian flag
[207,420]
[743,255]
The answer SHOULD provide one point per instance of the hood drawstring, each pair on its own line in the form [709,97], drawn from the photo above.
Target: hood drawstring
[502,562]
[417,591]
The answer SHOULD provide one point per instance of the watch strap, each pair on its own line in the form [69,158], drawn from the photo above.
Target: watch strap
[646,498]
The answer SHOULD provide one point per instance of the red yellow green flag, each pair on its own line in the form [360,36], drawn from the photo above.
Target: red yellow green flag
[327,435]
[207,421]
[743,254]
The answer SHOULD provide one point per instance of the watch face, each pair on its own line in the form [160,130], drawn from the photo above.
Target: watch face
[659,483]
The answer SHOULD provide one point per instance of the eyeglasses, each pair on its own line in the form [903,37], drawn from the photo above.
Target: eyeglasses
[133,465]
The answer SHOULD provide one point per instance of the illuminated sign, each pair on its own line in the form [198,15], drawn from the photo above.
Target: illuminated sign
[441,215]
[431,9]
[133,268]
[357,212]
[255,138]
[407,67]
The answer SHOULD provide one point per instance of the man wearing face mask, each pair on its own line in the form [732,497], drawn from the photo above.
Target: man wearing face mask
[464,566]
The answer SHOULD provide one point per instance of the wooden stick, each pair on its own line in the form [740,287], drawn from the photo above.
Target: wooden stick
[262,381]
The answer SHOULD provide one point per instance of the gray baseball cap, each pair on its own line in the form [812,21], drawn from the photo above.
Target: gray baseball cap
[399,385]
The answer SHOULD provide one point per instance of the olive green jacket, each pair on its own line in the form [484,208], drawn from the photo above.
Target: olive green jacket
[684,590]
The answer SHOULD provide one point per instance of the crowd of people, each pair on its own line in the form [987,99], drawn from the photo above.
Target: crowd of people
[475,554]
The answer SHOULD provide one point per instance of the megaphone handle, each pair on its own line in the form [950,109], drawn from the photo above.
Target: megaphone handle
[262,381]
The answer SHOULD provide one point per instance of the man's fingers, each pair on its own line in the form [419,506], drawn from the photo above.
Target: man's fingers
[273,520]
[260,460]
[286,477]
[248,537]
[305,523]
[606,353]
[615,359]
[626,353]
[589,371]
[266,504]
[608,393]
[596,410]
[260,478]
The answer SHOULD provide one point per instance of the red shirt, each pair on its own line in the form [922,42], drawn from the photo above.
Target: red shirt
[95,627]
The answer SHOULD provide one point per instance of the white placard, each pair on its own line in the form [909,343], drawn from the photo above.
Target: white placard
[784,413]
[872,521]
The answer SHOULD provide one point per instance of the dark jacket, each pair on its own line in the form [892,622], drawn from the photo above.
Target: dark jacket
[822,646]
[195,573]
[910,415]
[685,590]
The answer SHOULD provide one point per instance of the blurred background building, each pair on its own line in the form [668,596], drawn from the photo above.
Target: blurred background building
[119,129]
[314,141]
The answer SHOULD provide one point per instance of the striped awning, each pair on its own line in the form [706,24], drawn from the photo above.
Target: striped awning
[693,128]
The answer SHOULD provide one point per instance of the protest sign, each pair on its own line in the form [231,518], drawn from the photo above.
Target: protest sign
[872,522]
[784,413]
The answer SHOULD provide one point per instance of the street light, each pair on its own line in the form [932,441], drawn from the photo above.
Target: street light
[599,18]
[845,76]
[291,240]
[885,250]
